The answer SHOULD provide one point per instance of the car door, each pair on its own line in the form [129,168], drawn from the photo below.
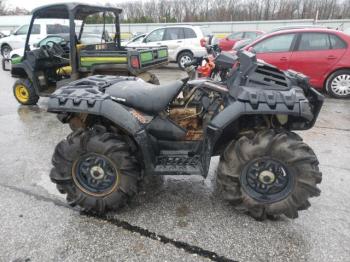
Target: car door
[191,38]
[18,39]
[316,54]
[37,34]
[276,49]
[174,39]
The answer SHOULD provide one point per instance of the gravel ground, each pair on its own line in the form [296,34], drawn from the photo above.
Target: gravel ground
[175,218]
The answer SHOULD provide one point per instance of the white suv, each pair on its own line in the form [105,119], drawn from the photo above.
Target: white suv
[39,31]
[183,42]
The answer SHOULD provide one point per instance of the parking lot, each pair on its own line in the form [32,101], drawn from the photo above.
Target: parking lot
[172,219]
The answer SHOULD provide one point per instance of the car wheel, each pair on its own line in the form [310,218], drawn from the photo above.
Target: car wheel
[183,58]
[338,84]
[6,50]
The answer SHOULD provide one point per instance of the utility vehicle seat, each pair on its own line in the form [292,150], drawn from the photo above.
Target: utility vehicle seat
[144,96]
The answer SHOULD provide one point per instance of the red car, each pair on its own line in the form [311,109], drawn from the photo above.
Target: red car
[321,54]
[228,42]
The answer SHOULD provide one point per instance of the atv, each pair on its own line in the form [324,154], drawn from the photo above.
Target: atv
[54,62]
[127,129]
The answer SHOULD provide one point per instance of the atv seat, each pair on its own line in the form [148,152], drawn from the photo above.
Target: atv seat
[144,96]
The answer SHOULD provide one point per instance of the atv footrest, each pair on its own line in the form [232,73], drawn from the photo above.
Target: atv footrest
[179,163]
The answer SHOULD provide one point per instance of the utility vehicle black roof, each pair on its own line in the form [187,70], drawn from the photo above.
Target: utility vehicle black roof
[62,10]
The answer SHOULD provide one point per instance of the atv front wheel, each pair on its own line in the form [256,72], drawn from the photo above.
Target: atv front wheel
[24,92]
[95,169]
[270,174]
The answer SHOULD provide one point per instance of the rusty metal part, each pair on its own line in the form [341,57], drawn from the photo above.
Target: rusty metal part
[194,135]
[188,119]
[183,117]
[78,121]
[139,116]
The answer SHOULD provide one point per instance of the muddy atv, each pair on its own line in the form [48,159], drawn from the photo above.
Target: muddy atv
[56,60]
[127,129]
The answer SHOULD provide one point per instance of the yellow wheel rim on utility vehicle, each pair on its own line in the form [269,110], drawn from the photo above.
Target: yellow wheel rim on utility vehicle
[22,93]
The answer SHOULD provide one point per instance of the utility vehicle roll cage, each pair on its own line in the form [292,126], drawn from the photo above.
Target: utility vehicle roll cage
[72,12]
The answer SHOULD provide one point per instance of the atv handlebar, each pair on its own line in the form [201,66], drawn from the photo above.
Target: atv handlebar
[195,62]
[213,50]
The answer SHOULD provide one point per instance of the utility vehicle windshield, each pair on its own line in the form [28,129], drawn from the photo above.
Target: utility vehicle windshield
[98,28]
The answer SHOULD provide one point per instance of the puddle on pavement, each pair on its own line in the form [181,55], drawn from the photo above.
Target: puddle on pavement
[182,223]
[182,211]
[28,113]
[50,187]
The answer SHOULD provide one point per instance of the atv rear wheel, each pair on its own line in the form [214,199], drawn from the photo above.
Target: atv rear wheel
[270,174]
[24,92]
[95,169]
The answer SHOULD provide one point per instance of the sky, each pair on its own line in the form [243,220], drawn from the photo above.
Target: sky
[29,5]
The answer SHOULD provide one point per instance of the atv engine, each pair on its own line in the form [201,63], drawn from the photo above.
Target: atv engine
[188,118]
[194,111]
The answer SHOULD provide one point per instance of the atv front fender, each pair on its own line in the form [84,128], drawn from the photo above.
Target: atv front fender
[267,102]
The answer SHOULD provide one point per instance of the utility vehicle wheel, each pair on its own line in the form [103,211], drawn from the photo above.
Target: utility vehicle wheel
[96,170]
[184,58]
[153,79]
[338,84]
[6,50]
[270,174]
[24,92]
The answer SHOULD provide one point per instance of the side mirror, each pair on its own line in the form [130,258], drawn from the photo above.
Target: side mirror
[252,50]
[36,45]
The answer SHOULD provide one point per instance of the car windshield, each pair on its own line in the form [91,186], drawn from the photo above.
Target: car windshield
[137,39]
[243,43]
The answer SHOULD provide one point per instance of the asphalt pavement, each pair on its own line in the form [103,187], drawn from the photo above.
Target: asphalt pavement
[173,218]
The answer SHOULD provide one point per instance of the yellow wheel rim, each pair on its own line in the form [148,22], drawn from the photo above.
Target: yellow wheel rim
[22,93]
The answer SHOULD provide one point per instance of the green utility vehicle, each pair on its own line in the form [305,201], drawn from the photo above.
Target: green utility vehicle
[44,68]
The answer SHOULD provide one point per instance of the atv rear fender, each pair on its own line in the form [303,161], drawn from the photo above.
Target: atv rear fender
[85,97]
